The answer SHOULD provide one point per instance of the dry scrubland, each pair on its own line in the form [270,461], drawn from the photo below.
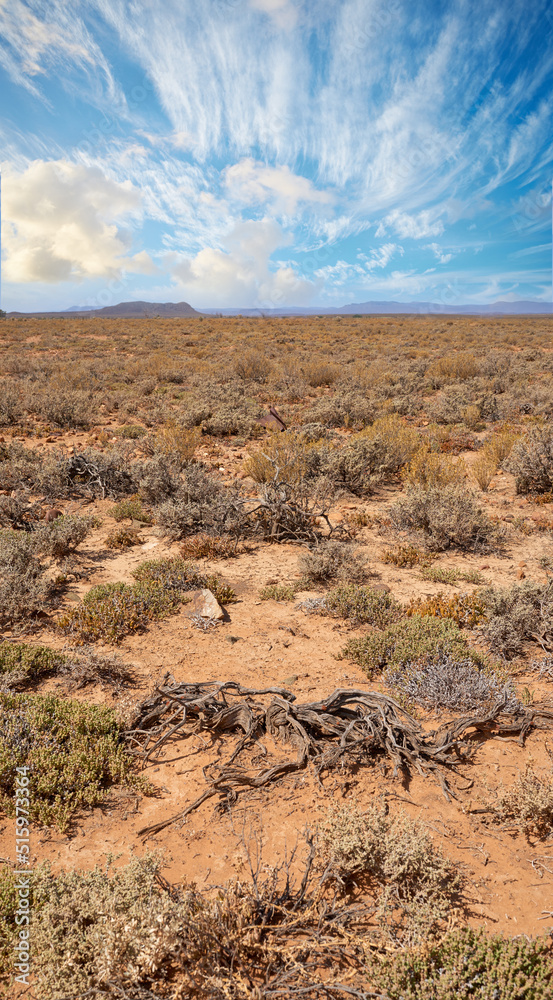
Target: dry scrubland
[367,809]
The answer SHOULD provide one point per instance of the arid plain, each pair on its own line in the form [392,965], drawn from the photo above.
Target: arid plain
[183,587]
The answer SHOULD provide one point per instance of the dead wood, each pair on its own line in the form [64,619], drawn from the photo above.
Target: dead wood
[353,726]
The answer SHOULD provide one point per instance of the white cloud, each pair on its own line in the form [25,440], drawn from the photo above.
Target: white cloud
[60,223]
[443,258]
[254,183]
[414,227]
[283,13]
[36,38]
[239,273]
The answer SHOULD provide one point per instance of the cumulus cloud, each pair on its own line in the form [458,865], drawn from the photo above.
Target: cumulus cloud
[240,273]
[60,224]
[256,183]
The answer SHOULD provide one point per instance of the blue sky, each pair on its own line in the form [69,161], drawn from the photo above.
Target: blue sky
[269,153]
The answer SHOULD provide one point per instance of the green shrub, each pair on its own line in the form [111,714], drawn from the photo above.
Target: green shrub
[469,963]
[447,517]
[451,575]
[113,610]
[132,432]
[74,754]
[177,575]
[405,641]
[22,664]
[361,605]
[88,925]
[279,592]
[131,509]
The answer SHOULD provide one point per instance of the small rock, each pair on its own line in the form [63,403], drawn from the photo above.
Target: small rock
[290,680]
[485,566]
[205,604]
[149,545]
[382,588]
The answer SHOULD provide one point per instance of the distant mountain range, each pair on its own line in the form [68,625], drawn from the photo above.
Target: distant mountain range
[182,310]
[523,307]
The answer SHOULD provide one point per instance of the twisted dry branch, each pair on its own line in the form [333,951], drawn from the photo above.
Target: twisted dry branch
[352,725]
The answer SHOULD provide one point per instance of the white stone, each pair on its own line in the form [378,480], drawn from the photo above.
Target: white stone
[205,604]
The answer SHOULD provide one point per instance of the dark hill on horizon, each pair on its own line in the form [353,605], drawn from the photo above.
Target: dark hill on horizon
[183,310]
[125,310]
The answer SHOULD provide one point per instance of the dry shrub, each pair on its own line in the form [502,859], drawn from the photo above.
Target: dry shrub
[24,589]
[204,546]
[460,365]
[466,610]
[11,410]
[472,417]
[283,456]
[398,441]
[157,479]
[520,614]
[279,591]
[61,537]
[63,406]
[177,443]
[406,555]
[501,443]
[123,538]
[446,682]
[200,504]
[427,468]
[531,461]
[484,468]
[253,366]
[333,560]
[447,517]
[378,452]
[527,804]
[413,884]
[320,372]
